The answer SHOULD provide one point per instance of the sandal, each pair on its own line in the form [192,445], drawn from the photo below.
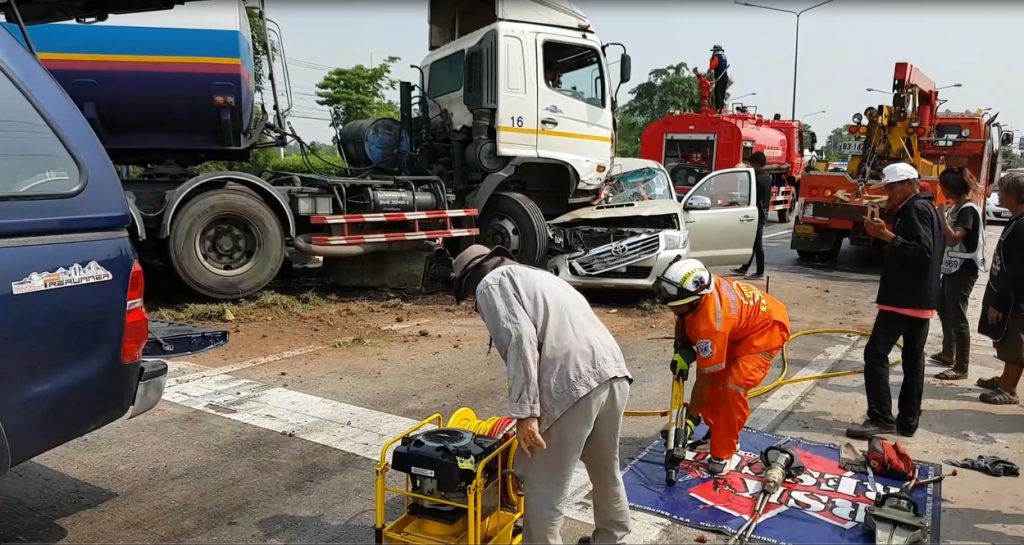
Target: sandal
[989,383]
[951,374]
[999,396]
[942,359]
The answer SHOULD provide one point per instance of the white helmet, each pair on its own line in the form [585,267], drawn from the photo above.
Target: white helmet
[683,282]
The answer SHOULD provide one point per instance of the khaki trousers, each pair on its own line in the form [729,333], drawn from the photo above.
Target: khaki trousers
[589,432]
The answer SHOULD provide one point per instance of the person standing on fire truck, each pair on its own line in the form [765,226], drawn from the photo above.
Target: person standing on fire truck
[732,332]
[719,65]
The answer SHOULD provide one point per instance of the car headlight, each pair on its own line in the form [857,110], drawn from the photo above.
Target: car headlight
[675,241]
[558,237]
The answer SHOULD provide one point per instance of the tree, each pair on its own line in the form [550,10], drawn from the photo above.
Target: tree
[670,88]
[359,92]
[261,57]
[836,142]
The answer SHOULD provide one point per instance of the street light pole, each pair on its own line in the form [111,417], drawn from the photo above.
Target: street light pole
[796,43]
[805,116]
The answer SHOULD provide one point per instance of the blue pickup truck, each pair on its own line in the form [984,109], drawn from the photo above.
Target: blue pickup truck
[72,323]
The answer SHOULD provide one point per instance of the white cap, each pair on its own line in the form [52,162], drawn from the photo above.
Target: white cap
[897,172]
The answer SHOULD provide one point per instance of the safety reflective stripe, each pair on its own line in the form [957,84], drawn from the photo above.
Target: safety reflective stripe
[712,369]
[736,387]
[718,315]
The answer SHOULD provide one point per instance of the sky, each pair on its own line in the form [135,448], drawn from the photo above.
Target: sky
[846,46]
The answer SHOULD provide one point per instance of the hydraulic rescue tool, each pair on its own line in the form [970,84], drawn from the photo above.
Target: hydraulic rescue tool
[895,518]
[680,427]
[780,463]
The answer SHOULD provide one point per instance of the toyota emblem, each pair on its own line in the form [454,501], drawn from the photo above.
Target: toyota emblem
[618,248]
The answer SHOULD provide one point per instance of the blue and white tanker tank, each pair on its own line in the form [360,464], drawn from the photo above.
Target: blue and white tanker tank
[167,85]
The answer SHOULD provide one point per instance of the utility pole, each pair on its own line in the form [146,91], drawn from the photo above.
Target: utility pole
[796,44]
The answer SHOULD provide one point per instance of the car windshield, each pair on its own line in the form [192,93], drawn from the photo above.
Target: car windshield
[644,184]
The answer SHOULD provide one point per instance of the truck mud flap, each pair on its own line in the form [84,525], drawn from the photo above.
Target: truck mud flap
[175,339]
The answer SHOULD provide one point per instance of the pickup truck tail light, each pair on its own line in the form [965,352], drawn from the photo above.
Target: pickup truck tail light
[136,323]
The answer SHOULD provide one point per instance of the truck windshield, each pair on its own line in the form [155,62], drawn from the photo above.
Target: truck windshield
[644,184]
[946,135]
[33,161]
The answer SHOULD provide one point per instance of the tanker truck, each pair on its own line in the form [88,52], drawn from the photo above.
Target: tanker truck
[510,123]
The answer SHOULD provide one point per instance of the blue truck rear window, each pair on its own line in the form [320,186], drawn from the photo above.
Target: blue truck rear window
[33,161]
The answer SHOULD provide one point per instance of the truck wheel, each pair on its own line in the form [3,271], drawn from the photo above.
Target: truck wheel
[226,244]
[808,255]
[514,221]
[784,216]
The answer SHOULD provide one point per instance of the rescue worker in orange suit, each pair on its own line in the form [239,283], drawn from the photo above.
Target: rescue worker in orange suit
[730,331]
[719,65]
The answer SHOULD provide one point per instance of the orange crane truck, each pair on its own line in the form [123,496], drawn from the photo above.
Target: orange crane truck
[832,205]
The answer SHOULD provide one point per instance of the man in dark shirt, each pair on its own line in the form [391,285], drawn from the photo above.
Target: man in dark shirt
[908,294]
[1002,309]
[763,183]
[719,66]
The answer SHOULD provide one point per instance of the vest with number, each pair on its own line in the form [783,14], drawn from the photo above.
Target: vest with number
[956,255]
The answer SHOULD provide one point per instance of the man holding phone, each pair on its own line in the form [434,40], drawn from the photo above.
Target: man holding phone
[908,294]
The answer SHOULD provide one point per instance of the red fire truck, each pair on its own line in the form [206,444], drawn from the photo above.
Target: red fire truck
[692,145]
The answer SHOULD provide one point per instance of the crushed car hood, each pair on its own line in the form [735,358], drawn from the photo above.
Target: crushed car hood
[643,208]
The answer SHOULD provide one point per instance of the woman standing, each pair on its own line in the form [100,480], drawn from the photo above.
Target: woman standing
[964,257]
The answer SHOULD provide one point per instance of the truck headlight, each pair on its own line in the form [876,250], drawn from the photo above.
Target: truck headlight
[676,241]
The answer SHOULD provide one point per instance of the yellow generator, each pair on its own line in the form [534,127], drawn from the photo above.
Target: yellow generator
[459,484]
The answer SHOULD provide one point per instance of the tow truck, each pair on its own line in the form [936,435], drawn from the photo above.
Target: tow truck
[832,205]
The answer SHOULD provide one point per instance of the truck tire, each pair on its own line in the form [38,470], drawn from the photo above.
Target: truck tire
[784,216]
[514,221]
[226,244]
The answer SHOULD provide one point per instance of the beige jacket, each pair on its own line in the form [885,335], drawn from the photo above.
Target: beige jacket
[555,348]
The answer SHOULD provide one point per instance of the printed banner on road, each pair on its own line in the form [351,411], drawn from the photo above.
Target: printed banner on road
[827,504]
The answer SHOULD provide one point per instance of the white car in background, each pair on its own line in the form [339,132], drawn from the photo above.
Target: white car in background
[994,212]
[641,226]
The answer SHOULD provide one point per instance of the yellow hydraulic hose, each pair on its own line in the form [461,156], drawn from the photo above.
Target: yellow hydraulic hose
[782,380]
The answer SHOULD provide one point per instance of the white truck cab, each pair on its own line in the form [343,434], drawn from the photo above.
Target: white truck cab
[551,89]
[527,85]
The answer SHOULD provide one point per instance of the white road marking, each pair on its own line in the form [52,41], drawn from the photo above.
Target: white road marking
[227,369]
[363,432]
[774,408]
[778,234]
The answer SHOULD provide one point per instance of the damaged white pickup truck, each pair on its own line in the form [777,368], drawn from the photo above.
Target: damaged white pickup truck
[640,225]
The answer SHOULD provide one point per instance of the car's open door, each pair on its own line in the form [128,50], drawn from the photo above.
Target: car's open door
[720,212]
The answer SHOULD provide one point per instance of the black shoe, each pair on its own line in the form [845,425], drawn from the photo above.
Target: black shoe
[906,431]
[868,429]
[739,270]
[755,276]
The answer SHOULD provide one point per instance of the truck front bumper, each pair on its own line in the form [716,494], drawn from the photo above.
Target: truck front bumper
[152,379]
[632,274]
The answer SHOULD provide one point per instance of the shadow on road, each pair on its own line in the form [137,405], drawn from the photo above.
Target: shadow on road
[33,498]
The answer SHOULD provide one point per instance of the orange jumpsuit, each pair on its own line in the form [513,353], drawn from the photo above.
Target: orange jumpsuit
[737,331]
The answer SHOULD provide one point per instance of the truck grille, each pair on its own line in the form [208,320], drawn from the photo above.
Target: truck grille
[617,255]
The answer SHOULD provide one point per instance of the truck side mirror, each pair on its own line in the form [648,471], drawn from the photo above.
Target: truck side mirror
[698,202]
[625,68]
[813,142]
[1007,138]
